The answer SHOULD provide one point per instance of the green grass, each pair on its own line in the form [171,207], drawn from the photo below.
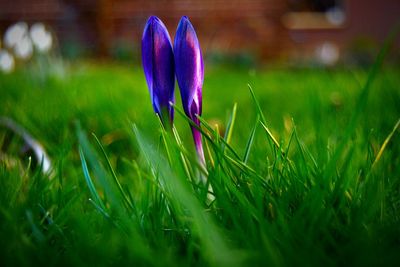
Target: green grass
[130,197]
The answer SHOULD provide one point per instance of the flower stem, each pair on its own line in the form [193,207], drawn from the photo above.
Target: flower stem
[200,154]
[198,145]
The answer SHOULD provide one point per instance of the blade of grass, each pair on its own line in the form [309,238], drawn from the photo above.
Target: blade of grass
[89,181]
[114,175]
[385,143]
[262,117]
[271,136]
[250,141]
[230,125]
[183,158]
[259,110]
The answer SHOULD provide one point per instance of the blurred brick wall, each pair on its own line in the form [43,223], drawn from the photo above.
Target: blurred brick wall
[227,26]
[366,23]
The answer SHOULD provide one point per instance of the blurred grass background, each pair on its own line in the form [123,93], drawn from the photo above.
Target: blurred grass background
[105,97]
[54,224]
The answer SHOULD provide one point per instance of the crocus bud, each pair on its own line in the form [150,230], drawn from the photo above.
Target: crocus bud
[158,65]
[190,74]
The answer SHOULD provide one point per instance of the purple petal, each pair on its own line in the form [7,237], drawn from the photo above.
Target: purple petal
[188,66]
[189,70]
[158,65]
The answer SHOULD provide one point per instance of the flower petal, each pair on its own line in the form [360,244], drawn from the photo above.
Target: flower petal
[158,65]
[189,65]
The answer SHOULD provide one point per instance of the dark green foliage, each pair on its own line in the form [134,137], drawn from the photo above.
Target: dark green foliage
[292,171]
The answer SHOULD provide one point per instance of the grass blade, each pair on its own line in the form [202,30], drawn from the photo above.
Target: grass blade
[231,124]
[383,147]
[113,174]
[250,141]
[89,181]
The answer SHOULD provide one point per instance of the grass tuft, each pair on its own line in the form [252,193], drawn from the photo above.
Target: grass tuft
[321,191]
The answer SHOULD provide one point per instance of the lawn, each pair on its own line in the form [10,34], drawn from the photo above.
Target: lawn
[322,194]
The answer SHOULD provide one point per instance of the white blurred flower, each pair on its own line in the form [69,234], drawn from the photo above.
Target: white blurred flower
[6,61]
[327,53]
[15,33]
[24,48]
[336,16]
[41,38]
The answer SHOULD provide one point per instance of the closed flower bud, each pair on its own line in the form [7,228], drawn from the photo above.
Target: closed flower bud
[190,74]
[158,65]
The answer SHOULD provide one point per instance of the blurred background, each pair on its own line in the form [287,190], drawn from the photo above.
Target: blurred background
[63,61]
[324,32]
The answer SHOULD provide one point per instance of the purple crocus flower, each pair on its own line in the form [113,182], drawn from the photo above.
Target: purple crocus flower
[158,65]
[189,70]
